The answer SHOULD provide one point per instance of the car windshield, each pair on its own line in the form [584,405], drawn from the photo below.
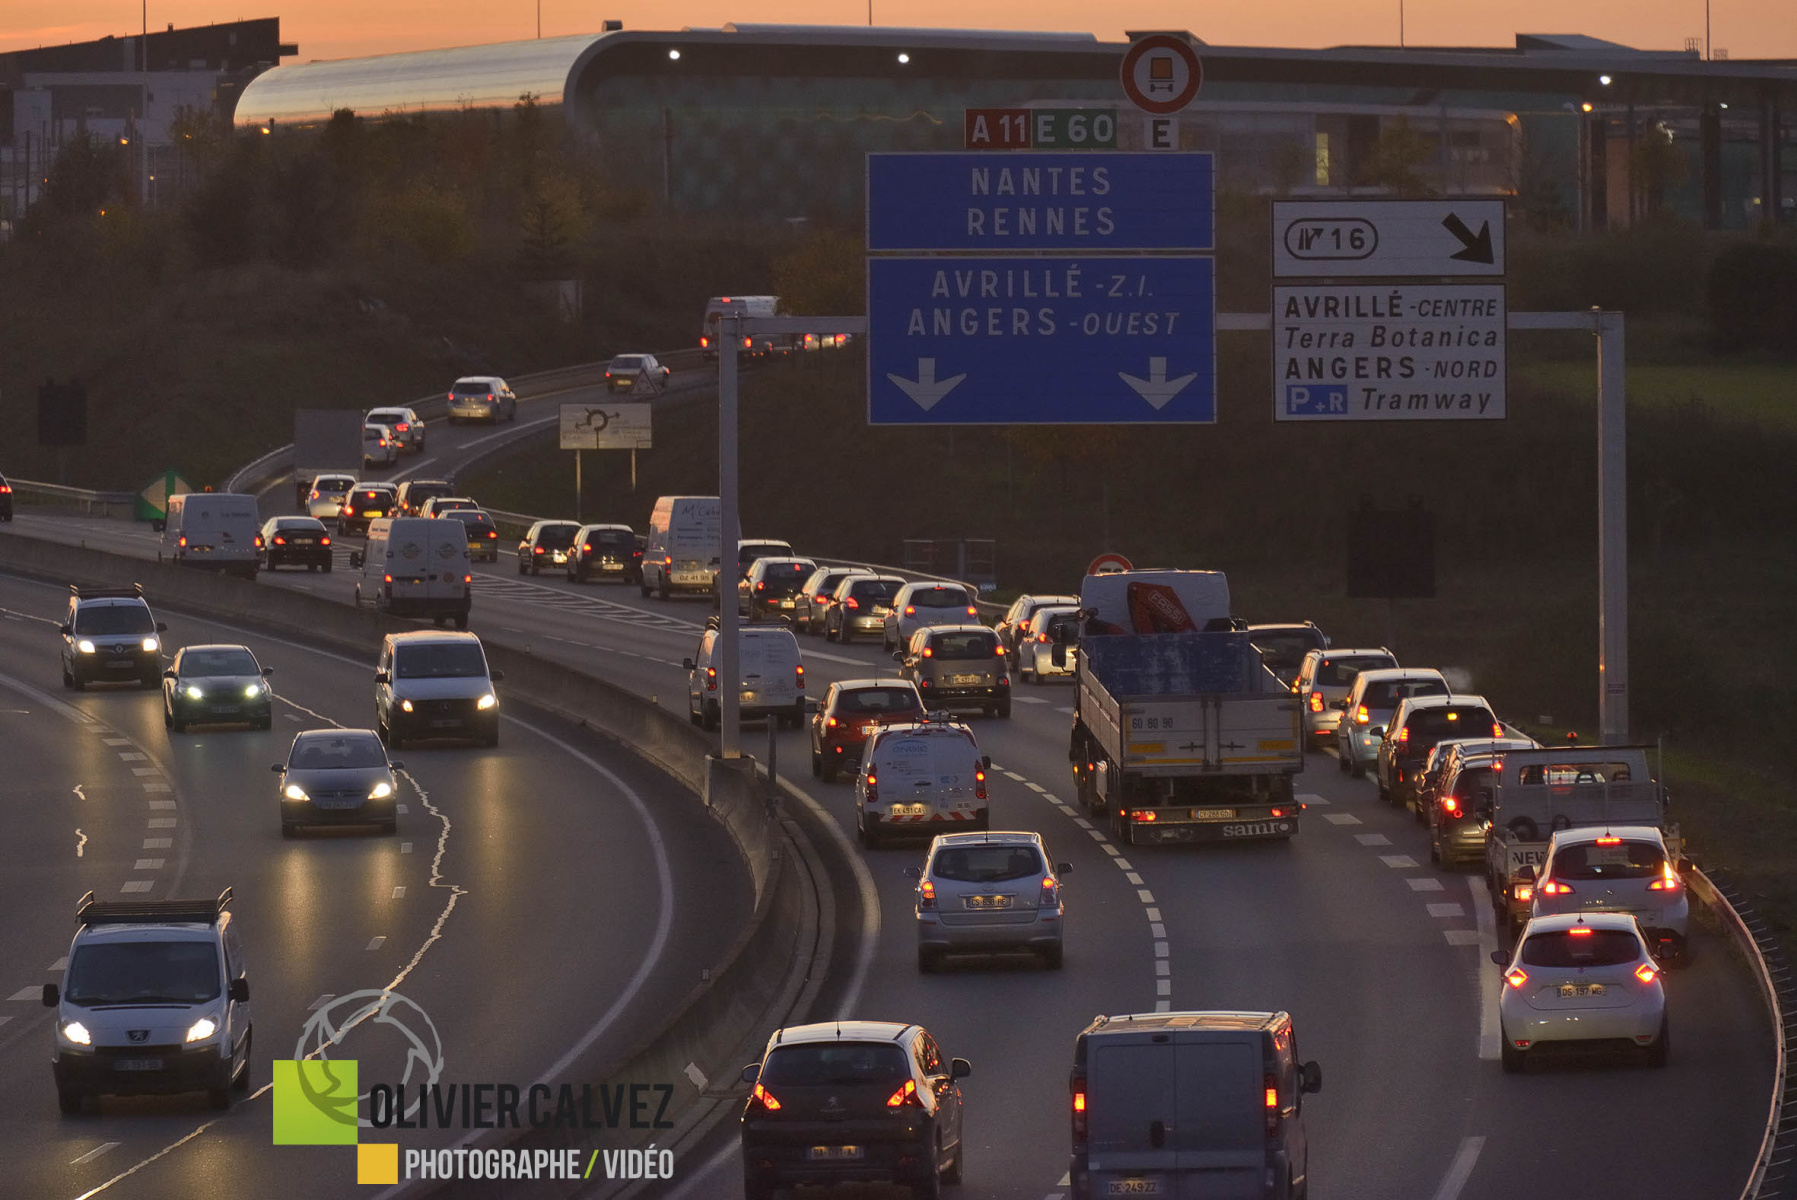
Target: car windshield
[557,537]
[1341,672]
[386,416]
[473,388]
[1608,859]
[835,1063]
[445,660]
[1581,946]
[962,646]
[469,516]
[1285,649]
[333,485]
[878,590]
[878,700]
[754,550]
[299,525]
[785,572]
[219,662]
[114,618]
[986,864]
[1063,628]
[333,753]
[142,973]
[612,537]
[626,362]
[1433,724]
[1387,693]
[940,597]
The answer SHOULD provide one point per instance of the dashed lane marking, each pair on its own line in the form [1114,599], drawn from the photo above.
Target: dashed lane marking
[96,1152]
[161,805]
[133,756]
[116,741]
[1145,896]
[1447,908]
[1462,937]
[1341,818]
[158,843]
[1490,1037]
[138,885]
[1372,839]
[1424,883]
[1460,1170]
[60,964]
[162,822]
[1029,700]
[399,893]
[148,864]
[30,993]
[1134,879]
[375,943]
[1398,861]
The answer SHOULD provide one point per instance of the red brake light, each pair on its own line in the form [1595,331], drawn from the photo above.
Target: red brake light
[183,540]
[999,650]
[1497,730]
[761,587]
[764,1098]
[1272,1092]
[979,785]
[314,493]
[711,678]
[1667,882]
[492,533]
[279,540]
[1403,735]
[1516,977]
[928,653]
[1360,715]
[910,610]
[1078,1087]
[1316,702]
[324,541]
[537,550]
[926,894]
[851,603]
[587,548]
[905,1097]
[704,342]
[1449,804]
[748,342]
[1609,841]
[1270,1089]
[831,723]
[1051,892]
[1555,888]
[402,427]
[1579,931]
[972,611]
[1646,974]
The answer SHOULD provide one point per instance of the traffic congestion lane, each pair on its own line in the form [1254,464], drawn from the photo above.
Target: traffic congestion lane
[520,949]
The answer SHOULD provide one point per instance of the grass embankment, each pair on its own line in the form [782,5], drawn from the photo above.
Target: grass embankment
[1517,594]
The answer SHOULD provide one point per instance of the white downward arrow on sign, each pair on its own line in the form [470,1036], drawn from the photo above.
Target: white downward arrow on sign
[1157,389]
[926,389]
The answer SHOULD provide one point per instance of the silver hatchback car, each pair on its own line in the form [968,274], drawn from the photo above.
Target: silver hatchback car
[989,892]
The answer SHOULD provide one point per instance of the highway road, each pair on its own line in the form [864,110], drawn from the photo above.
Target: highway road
[1380,957]
[549,896]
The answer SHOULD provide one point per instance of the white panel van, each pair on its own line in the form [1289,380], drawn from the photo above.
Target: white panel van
[416,567]
[772,675]
[685,545]
[213,529]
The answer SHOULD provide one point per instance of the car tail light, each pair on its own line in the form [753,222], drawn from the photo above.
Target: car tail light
[1524,893]
[5,489]
[608,374]
[489,395]
[1403,735]
[764,1098]
[979,785]
[905,1097]
[1497,730]
[1449,804]
[1270,1092]
[1042,637]
[711,679]
[401,427]
[587,547]
[1078,1088]
[668,561]
[1609,841]
[851,603]
[537,550]
[1316,702]
[926,894]
[972,611]
[467,579]
[452,397]
[1645,973]
[386,579]
[1145,815]
[1360,715]
[1580,931]
[325,540]
[747,342]
[830,723]
[923,683]
[999,650]
[314,493]
[1554,887]
[279,540]
[1667,882]
[760,587]
[183,540]
[704,342]
[928,653]
[799,672]
[1051,893]
[492,533]
[1516,977]
[873,788]
[910,610]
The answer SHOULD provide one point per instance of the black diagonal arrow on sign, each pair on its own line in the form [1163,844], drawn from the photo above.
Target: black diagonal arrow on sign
[1477,248]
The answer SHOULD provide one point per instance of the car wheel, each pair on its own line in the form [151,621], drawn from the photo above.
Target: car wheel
[77,682]
[1660,1052]
[1356,768]
[460,620]
[817,765]
[219,1097]
[661,588]
[1003,708]
[70,1102]
[1434,850]
[1514,1060]
[712,717]
[1052,958]
[68,680]
[492,738]
[325,567]
[870,837]
[927,960]
[242,1081]
[642,586]
[930,1186]
[389,828]
[1341,759]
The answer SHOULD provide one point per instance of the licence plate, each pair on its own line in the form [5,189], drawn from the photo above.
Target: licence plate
[1202,814]
[446,723]
[988,902]
[1581,989]
[834,1153]
[966,678]
[786,604]
[1133,1187]
[352,803]
[224,708]
[137,1064]
[910,810]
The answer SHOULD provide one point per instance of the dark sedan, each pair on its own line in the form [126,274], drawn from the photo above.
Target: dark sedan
[295,542]
[216,685]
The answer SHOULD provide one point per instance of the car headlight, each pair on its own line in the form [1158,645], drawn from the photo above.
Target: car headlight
[381,791]
[294,791]
[202,1029]
[194,693]
[85,646]
[252,691]
[405,706]
[487,701]
[76,1032]
[152,644]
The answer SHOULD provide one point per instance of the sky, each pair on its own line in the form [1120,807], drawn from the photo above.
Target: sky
[353,28]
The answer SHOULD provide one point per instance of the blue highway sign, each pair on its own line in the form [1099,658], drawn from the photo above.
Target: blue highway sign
[1002,201]
[1063,340]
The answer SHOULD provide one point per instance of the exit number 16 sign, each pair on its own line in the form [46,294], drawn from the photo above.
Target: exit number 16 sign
[1041,129]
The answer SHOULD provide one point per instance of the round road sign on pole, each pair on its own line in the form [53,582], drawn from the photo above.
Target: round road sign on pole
[1105,564]
[1161,74]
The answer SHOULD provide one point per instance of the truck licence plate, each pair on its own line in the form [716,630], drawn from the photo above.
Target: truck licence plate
[1212,814]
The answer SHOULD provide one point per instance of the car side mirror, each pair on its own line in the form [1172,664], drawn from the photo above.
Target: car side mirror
[355,559]
[1527,874]
[1377,731]
[396,765]
[751,1073]
[1310,1077]
[267,671]
[686,664]
[495,676]
[1063,868]
[383,677]
[914,872]
[51,996]
[898,656]
[1501,957]
[240,990]
[959,1068]
[1685,866]
[169,674]
[65,629]
[986,762]
[277,768]
[813,704]
[1058,655]
[161,627]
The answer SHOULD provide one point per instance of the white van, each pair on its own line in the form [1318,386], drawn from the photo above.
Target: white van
[220,530]
[416,567]
[747,306]
[921,779]
[767,663]
[685,546]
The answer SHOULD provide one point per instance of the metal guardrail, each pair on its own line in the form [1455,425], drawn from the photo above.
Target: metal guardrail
[89,503]
[1774,1174]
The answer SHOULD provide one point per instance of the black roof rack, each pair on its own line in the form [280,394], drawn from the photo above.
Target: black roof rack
[86,592]
[137,912]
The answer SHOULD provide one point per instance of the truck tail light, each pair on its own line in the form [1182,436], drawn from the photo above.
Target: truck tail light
[799,672]
[1316,702]
[1145,815]
[873,788]
[906,1096]
[183,540]
[1270,1101]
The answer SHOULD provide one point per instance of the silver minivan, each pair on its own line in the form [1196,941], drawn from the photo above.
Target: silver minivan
[1190,1106]
[958,666]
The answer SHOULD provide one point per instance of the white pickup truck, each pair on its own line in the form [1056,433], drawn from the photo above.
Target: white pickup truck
[1535,793]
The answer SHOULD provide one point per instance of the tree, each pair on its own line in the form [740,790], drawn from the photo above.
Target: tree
[551,219]
[89,175]
[824,276]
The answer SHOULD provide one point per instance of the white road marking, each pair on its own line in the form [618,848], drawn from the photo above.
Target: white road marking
[693,1073]
[402,809]
[30,993]
[375,943]
[161,805]
[162,822]
[1082,823]
[1029,700]
[156,785]
[1449,908]
[4,1020]
[1460,1170]
[1163,1006]
[60,964]
[1461,937]
[296,719]
[1154,914]
[132,756]
[1156,929]
[399,893]
[1033,786]
[138,885]
[1341,818]
[1160,950]
[80,842]
[405,847]
[1095,835]
[1490,1035]
[1311,798]
[1424,883]
[79,794]
[1133,878]
[148,864]
[140,772]
[1064,709]
[1372,839]
[158,843]
[321,1002]
[96,1152]
[1398,861]
[116,741]
[1013,776]
[1146,897]
[1117,854]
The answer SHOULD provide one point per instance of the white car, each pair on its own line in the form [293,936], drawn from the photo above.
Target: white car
[919,778]
[988,892]
[922,605]
[1584,982]
[1036,644]
[325,501]
[1622,868]
[379,449]
[406,424]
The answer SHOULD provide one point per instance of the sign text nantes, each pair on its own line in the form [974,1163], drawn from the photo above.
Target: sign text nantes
[1400,351]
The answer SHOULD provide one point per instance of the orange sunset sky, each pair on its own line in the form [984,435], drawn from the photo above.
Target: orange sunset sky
[350,28]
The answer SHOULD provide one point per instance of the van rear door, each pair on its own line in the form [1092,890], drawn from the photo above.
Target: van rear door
[1132,1115]
[1221,1141]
